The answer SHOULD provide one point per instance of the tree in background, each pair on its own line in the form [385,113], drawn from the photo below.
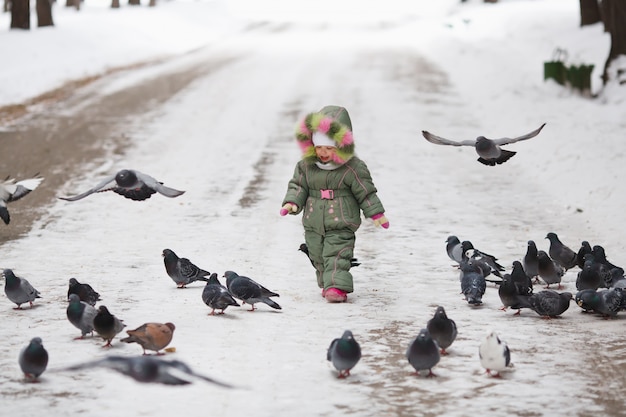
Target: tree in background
[20,14]
[589,12]
[614,17]
[44,13]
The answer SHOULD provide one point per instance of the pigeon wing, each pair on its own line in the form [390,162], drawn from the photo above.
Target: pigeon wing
[24,187]
[158,186]
[438,140]
[104,185]
[504,141]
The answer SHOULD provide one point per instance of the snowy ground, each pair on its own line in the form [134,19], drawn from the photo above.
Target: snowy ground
[455,70]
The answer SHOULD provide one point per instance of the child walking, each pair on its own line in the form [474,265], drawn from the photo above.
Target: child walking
[331,186]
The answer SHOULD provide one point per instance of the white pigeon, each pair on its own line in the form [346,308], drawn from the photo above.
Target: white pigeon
[12,190]
[494,354]
[488,150]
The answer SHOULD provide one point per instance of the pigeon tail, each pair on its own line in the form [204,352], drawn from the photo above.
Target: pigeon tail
[504,156]
[271,303]
[4,215]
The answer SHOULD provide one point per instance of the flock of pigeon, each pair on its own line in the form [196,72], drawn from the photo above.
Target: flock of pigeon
[82,298]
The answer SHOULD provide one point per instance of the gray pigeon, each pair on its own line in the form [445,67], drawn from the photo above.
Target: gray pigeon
[33,359]
[182,270]
[599,255]
[590,276]
[19,290]
[249,291]
[442,329]
[131,184]
[12,190]
[586,299]
[530,262]
[549,271]
[84,291]
[81,315]
[488,263]
[511,296]
[344,353]
[585,248]
[549,303]
[216,296]
[607,302]
[107,325]
[423,353]
[148,369]
[488,150]
[523,283]
[454,249]
[494,354]
[560,253]
[473,284]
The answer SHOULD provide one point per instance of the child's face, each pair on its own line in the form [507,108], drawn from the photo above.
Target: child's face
[325,153]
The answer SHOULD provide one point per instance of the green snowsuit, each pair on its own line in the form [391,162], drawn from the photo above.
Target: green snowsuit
[331,200]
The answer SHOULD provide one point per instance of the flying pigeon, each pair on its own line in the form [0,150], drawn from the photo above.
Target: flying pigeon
[148,369]
[216,296]
[530,262]
[182,270]
[33,359]
[423,353]
[454,249]
[12,190]
[494,354]
[344,353]
[81,315]
[549,271]
[84,291]
[131,184]
[151,336]
[249,291]
[305,249]
[511,296]
[560,253]
[488,150]
[107,325]
[442,329]
[549,303]
[585,248]
[19,290]
[473,284]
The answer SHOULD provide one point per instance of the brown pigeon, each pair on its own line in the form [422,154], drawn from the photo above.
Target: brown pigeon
[151,336]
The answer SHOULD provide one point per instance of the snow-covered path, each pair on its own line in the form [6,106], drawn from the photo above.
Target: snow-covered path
[227,140]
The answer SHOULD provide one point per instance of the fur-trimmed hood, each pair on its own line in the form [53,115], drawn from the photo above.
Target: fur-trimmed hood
[334,121]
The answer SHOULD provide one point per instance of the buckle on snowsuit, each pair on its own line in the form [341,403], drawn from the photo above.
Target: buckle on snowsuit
[327,194]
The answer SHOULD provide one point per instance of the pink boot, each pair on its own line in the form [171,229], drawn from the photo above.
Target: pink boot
[335,295]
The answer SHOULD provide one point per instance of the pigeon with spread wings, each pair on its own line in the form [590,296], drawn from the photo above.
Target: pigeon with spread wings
[131,184]
[488,150]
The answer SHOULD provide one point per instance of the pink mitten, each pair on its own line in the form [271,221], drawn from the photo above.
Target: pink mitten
[380,220]
[288,208]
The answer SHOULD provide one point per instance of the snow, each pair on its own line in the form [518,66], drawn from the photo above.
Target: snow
[456,69]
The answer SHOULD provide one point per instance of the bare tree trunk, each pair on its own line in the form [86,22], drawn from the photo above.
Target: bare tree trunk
[134,2]
[73,3]
[614,17]
[7,5]
[44,13]
[115,4]
[589,12]
[20,14]
[152,3]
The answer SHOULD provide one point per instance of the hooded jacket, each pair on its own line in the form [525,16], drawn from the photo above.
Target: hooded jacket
[331,198]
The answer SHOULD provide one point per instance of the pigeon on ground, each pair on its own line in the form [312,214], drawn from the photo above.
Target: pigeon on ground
[494,354]
[523,283]
[549,271]
[616,278]
[488,263]
[454,249]
[560,253]
[549,303]
[488,150]
[442,329]
[151,336]
[249,291]
[84,291]
[131,184]
[216,296]
[107,325]
[423,353]
[585,299]
[12,190]
[344,353]
[81,315]
[33,359]
[606,302]
[511,296]
[585,248]
[599,255]
[305,249]
[530,262]
[590,276]
[182,270]
[19,290]
[148,369]
[473,284]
